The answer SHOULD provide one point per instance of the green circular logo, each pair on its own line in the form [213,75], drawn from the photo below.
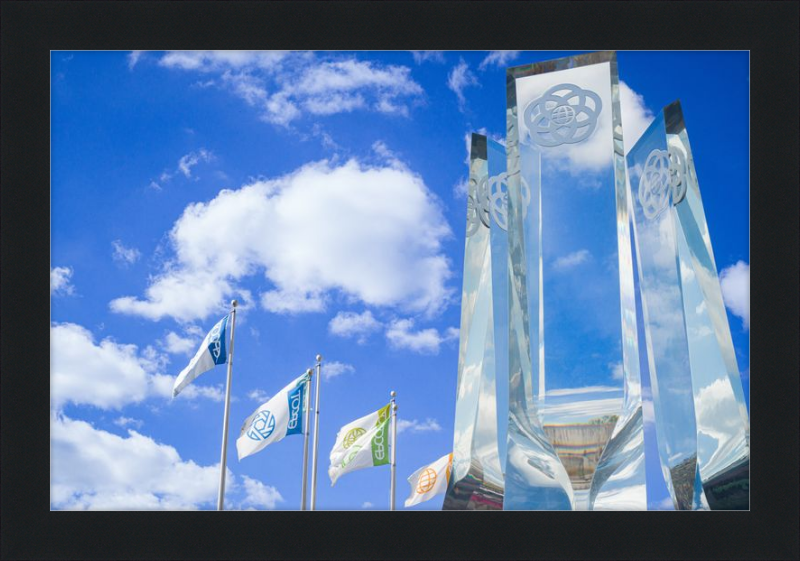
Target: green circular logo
[351,455]
[352,436]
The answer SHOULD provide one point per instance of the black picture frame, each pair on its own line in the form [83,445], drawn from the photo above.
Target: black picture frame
[30,30]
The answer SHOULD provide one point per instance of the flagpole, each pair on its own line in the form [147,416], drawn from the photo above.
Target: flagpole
[224,454]
[307,431]
[316,439]
[394,451]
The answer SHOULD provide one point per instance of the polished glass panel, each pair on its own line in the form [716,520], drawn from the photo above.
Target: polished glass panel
[572,281]
[723,425]
[476,480]
[701,418]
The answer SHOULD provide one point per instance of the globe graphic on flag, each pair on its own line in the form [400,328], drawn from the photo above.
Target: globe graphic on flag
[426,481]
[352,436]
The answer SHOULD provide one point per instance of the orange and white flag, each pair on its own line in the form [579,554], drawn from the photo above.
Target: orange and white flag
[428,481]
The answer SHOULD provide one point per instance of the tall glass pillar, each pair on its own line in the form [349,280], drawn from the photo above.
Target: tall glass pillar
[701,418]
[476,480]
[571,286]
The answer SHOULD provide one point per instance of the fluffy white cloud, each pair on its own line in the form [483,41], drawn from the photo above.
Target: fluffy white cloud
[498,58]
[636,117]
[108,375]
[572,260]
[60,281]
[133,58]
[124,255]
[429,425]
[331,370]
[425,56]
[259,395]
[92,469]
[373,234]
[460,78]
[617,371]
[351,324]
[184,167]
[366,504]
[401,335]
[260,495]
[128,421]
[178,345]
[735,284]
[285,86]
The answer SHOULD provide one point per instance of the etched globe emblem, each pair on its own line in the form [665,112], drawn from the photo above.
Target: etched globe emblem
[655,184]
[426,481]
[562,115]
[352,436]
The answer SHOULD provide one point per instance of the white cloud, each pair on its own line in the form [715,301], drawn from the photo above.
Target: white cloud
[459,79]
[429,425]
[461,189]
[663,504]
[572,260]
[184,167]
[128,421]
[428,56]
[133,58]
[187,162]
[617,372]
[351,324]
[259,395]
[400,335]
[636,117]
[92,469]
[366,504]
[498,58]
[286,86]
[735,284]
[60,281]
[331,370]
[108,375]
[124,255]
[178,345]
[373,234]
[259,495]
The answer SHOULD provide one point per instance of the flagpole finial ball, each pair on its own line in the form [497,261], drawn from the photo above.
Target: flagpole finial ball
[393,393]
[234,303]
[319,358]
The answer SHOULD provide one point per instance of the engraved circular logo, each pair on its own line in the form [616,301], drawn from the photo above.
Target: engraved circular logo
[352,436]
[677,174]
[427,480]
[473,222]
[565,114]
[655,183]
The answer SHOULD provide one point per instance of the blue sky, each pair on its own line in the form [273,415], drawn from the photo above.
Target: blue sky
[325,191]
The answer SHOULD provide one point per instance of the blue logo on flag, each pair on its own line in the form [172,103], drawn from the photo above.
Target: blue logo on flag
[262,426]
[216,342]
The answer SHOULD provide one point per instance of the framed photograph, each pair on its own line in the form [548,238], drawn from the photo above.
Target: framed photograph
[314,264]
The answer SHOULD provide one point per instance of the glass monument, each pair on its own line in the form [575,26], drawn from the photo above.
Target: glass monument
[702,422]
[575,421]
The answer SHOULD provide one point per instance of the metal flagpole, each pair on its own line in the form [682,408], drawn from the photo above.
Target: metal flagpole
[316,439]
[224,454]
[307,431]
[394,450]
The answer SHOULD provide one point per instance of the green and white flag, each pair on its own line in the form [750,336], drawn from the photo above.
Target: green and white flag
[361,444]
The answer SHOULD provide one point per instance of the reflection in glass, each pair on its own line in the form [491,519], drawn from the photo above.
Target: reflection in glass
[476,480]
[701,418]
[571,281]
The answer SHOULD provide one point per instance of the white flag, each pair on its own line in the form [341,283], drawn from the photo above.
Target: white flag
[361,444]
[428,481]
[212,351]
[281,416]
